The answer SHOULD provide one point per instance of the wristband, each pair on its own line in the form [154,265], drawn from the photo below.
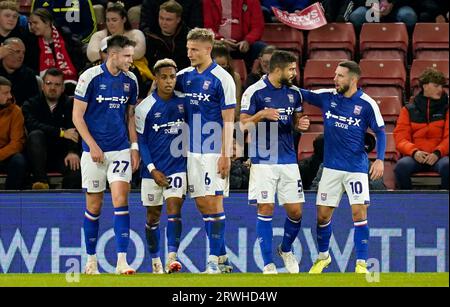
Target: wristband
[134,146]
[151,167]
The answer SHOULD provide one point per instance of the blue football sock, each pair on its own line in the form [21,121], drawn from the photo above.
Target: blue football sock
[291,229]
[361,239]
[122,228]
[174,227]
[264,234]
[323,236]
[217,231]
[152,234]
[207,224]
[90,227]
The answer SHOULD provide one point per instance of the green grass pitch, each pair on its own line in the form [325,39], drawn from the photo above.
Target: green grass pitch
[228,280]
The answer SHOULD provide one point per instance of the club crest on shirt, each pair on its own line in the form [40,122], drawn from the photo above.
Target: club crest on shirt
[206,85]
[126,87]
[180,108]
[291,98]
[323,196]
[264,194]
[357,110]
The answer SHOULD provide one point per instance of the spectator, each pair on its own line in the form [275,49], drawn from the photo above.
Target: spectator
[426,10]
[53,142]
[369,145]
[77,15]
[143,87]
[12,138]
[133,8]
[239,24]
[309,166]
[261,65]
[421,133]
[54,48]
[11,67]
[387,10]
[221,56]
[9,24]
[169,40]
[192,14]
[117,23]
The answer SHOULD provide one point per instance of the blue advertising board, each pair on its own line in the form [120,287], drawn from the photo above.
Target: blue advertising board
[42,233]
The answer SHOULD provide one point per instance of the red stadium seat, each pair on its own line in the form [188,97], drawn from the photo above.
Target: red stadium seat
[384,41]
[313,112]
[319,73]
[389,176]
[391,153]
[332,41]
[430,41]
[383,77]
[418,66]
[315,127]
[284,37]
[305,146]
[239,67]
[390,107]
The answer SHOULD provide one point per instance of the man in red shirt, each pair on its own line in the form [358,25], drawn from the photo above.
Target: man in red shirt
[239,24]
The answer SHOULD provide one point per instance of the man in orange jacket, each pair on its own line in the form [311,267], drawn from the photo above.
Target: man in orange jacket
[421,134]
[12,138]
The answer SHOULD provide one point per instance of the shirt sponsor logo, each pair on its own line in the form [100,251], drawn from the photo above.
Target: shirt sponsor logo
[347,120]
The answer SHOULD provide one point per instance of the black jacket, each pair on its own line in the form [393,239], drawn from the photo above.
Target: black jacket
[24,83]
[38,117]
[192,14]
[173,47]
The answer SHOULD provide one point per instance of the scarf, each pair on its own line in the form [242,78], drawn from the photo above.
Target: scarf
[61,60]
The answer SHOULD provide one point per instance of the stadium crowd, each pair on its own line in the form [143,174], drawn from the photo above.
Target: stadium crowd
[43,51]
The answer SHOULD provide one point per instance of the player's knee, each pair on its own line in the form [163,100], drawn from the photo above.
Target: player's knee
[153,215]
[359,215]
[265,209]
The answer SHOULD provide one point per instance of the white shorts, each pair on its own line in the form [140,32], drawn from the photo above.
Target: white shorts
[115,167]
[153,195]
[334,182]
[203,177]
[268,179]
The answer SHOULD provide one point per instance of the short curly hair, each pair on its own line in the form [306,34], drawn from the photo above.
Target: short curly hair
[432,75]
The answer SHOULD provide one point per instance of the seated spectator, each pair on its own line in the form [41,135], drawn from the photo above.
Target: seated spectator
[261,65]
[192,14]
[12,138]
[12,68]
[52,143]
[421,133]
[10,25]
[221,56]
[387,10]
[103,52]
[54,48]
[426,10]
[169,40]
[239,25]
[375,185]
[309,166]
[77,15]
[117,23]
